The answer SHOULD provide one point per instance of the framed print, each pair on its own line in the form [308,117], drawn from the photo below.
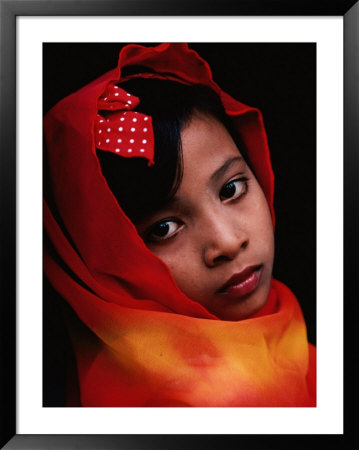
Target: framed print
[290,68]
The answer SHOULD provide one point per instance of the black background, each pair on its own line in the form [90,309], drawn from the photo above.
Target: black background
[279,79]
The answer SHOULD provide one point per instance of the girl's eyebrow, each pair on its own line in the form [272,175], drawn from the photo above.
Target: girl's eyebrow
[221,171]
[217,175]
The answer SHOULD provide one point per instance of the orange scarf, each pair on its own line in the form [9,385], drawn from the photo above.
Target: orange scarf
[140,341]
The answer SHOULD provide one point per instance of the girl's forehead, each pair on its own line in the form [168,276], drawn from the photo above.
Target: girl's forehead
[205,141]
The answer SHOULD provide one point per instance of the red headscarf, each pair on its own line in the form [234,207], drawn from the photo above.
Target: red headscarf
[139,340]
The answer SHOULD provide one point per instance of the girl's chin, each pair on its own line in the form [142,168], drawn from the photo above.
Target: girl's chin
[241,308]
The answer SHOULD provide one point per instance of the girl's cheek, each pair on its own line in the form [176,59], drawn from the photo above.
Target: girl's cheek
[181,260]
[172,257]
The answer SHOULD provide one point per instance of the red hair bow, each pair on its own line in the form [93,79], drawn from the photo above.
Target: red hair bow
[126,133]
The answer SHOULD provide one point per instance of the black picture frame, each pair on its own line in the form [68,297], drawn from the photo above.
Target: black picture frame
[10,9]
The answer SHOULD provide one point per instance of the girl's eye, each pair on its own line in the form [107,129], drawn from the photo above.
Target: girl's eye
[163,230]
[234,189]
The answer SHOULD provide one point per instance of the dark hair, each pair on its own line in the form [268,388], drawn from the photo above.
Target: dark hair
[139,189]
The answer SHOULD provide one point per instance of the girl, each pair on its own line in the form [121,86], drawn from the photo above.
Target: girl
[159,235]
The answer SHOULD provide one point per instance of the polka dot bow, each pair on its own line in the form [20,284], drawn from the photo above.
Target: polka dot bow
[123,132]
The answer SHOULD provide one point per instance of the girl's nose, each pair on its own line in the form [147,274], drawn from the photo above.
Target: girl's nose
[222,241]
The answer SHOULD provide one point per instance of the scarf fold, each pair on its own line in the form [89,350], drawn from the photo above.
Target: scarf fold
[139,340]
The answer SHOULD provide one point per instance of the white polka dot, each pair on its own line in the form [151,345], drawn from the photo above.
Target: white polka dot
[99,143]
[107,120]
[146,118]
[117,150]
[108,130]
[134,119]
[142,150]
[116,94]
[124,113]
[120,129]
[129,102]
[105,98]
[128,95]
[122,119]
[99,131]
[101,120]
[107,140]
[133,129]
[132,141]
[116,87]
[144,141]
[119,141]
[145,129]
[129,150]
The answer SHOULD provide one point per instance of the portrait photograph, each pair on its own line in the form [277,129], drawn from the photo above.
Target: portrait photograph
[240,322]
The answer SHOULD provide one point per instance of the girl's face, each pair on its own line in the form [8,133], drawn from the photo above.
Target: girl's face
[216,235]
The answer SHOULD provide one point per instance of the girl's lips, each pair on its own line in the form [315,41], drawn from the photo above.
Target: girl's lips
[242,283]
